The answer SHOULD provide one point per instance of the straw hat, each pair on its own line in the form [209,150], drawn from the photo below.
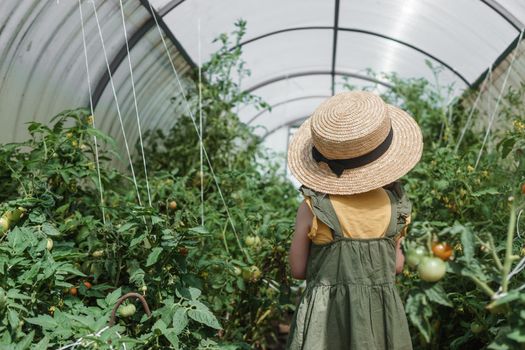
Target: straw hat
[354,142]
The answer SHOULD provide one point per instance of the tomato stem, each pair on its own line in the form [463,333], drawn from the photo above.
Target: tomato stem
[507,264]
[485,287]
[495,256]
[429,242]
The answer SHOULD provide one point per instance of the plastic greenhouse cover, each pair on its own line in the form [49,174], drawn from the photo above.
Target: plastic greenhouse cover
[291,38]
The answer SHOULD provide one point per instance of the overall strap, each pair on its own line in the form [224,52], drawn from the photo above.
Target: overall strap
[322,208]
[401,209]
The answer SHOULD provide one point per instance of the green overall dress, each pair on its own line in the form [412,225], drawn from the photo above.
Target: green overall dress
[350,301]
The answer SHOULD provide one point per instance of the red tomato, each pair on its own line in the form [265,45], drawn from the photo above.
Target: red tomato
[442,250]
[87,284]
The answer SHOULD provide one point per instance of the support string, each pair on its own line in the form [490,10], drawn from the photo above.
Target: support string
[116,101]
[97,161]
[135,102]
[201,145]
[473,108]
[197,130]
[493,115]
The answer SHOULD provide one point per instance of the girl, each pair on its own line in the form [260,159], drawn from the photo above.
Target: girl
[348,156]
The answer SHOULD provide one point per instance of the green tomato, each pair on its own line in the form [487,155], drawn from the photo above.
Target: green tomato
[98,253]
[13,216]
[250,241]
[49,244]
[476,327]
[431,269]
[251,274]
[127,310]
[414,256]
[4,224]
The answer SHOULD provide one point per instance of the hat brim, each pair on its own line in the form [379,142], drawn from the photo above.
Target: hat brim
[402,155]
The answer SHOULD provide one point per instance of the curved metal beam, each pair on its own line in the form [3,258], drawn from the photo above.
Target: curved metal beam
[366,32]
[169,6]
[283,103]
[504,13]
[117,60]
[314,96]
[318,72]
[100,87]
[167,31]
[290,123]
[513,45]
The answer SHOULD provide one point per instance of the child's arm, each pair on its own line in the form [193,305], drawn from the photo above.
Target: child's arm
[300,243]
[400,256]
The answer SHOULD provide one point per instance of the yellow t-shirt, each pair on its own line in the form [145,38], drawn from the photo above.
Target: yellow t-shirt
[361,216]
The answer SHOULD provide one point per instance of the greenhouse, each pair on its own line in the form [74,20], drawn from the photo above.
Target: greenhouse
[242,174]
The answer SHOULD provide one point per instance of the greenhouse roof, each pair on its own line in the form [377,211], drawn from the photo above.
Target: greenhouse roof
[299,52]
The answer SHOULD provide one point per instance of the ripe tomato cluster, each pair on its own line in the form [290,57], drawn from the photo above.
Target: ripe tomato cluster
[430,268]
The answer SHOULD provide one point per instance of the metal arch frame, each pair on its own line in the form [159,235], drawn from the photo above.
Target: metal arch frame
[135,38]
[291,123]
[252,119]
[169,6]
[334,48]
[504,13]
[366,32]
[302,74]
[167,31]
[319,72]
[117,60]
[513,45]
[494,5]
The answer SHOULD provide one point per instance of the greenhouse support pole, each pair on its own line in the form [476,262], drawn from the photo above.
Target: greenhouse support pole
[334,43]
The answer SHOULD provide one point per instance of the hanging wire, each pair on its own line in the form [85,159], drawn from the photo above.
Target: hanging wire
[97,161]
[135,102]
[493,115]
[473,108]
[517,269]
[116,101]
[201,145]
[188,107]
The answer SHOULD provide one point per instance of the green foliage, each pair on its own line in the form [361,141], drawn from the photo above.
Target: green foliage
[205,287]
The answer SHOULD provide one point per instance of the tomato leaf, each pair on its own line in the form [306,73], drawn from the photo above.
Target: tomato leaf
[419,311]
[180,320]
[199,230]
[437,294]
[467,240]
[153,257]
[112,298]
[44,321]
[50,230]
[485,191]
[204,316]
